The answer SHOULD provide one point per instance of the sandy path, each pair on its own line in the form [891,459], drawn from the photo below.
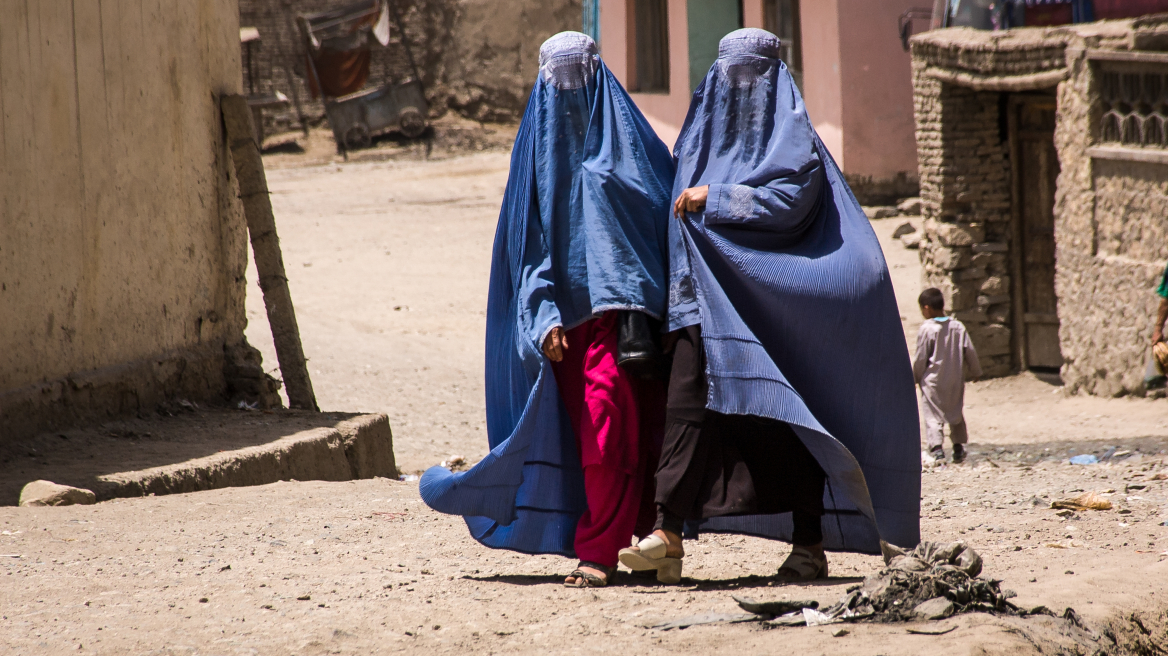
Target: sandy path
[383,574]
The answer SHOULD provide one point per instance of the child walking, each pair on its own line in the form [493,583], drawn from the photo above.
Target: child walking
[944,350]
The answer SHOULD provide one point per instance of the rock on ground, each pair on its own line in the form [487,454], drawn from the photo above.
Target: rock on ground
[910,206]
[48,493]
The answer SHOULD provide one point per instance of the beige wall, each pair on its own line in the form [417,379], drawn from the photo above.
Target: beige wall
[121,244]
[822,89]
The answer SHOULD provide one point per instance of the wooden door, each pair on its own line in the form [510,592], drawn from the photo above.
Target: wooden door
[1036,170]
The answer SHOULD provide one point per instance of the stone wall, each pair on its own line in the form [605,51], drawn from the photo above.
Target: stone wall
[1110,234]
[965,201]
[122,244]
[1112,246]
[476,57]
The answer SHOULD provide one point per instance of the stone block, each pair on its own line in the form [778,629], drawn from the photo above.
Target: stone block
[910,206]
[996,286]
[958,295]
[970,317]
[990,339]
[999,313]
[911,241]
[903,229]
[48,493]
[969,273]
[960,234]
[949,259]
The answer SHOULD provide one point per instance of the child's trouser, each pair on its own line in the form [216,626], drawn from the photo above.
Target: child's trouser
[935,425]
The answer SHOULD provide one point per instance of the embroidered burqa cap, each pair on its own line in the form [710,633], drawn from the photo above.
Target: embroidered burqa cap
[799,320]
[583,229]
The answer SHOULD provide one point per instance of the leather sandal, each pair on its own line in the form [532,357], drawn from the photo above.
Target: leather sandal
[807,566]
[588,579]
[649,554]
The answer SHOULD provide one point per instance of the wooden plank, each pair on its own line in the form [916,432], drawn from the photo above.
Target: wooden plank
[261,225]
[1129,154]
[1099,54]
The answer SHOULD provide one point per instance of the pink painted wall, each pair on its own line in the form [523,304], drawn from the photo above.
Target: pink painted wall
[857,80]
[665,112]
[879,133]
[822,90]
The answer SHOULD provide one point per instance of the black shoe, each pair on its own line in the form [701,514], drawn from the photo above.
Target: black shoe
[937,452]
[958,453]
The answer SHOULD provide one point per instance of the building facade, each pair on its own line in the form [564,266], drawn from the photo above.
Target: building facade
[855,75]
[123,246]
[1044,188]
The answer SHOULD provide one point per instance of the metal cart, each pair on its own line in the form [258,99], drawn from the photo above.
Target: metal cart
[356,117]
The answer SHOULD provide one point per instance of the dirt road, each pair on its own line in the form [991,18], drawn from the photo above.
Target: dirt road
[387,264]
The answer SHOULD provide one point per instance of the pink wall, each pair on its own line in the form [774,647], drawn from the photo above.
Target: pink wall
[857,79]
[822,91]
[665,112]
[879,132]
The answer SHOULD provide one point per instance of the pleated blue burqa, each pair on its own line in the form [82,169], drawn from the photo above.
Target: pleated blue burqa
[583,230]
[786,278]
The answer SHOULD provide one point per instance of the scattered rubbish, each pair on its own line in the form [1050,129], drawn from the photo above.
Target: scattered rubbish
[1085,459]
[225,568]
[930,633]
[455,463]
[1134,486]
[839,633]
[390,515]
[1107,454]
[1066,512]
[408,478]
[267,607]
[1159,477]
[304,598]
[11,556]
[202,600]
[1085,501]
[244,405]
[781,607]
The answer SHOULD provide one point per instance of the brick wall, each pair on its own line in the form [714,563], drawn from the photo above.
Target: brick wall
[965,201]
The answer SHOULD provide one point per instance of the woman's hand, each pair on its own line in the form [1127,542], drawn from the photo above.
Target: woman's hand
[691,200]
[555,344]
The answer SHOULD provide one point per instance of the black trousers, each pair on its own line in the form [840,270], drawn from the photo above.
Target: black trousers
[713,464]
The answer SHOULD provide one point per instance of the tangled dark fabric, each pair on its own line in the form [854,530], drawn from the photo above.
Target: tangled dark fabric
[786,278]
[582,230]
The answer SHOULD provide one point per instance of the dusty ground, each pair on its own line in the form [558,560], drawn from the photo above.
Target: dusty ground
[387,264]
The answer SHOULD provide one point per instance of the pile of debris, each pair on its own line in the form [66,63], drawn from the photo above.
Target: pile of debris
[932,582]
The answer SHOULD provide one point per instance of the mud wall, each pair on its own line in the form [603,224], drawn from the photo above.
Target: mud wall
[122,249]
[1112,243]
[1111,239]
[476,57]
[964,174]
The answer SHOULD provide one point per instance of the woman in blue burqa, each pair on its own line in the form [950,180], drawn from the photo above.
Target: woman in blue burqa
[791,411]
[579,267]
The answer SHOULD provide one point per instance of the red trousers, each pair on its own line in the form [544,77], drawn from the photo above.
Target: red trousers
[619,422]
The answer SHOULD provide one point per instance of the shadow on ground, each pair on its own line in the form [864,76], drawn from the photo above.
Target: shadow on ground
[80,456]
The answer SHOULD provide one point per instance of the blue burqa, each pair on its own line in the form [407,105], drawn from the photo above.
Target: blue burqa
[786,278]
[583,230]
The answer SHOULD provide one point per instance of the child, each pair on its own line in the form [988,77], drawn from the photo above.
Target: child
[943,351]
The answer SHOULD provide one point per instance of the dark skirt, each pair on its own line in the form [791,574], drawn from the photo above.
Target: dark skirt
[714,464]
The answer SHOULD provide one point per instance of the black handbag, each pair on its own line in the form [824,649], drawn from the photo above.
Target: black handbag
[638,346]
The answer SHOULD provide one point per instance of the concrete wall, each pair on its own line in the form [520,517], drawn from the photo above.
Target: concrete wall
[122,248]
[476,57]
